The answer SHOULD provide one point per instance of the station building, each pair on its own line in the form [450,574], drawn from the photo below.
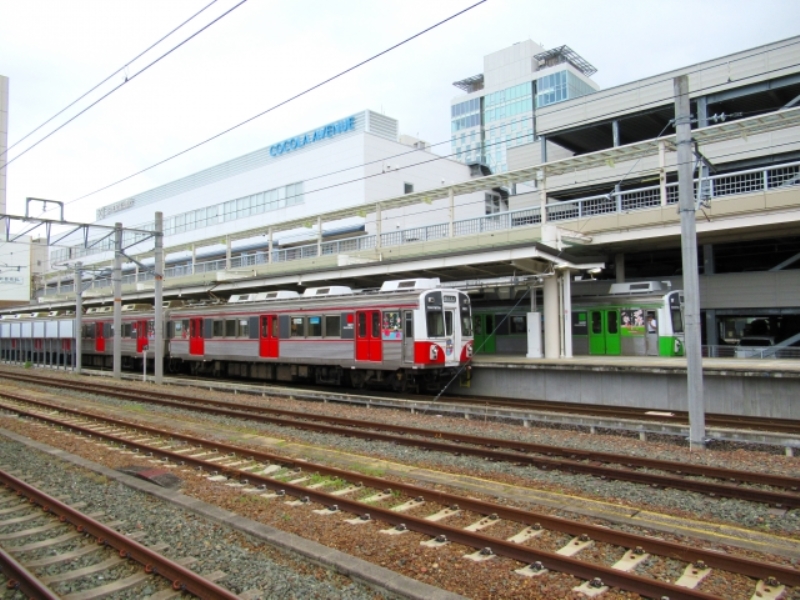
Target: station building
[595,176]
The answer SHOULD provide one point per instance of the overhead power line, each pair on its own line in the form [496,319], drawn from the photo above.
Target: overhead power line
[122,68]
[282,103]
[127,80]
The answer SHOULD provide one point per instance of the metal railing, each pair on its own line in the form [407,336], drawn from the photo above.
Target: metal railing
[713,187]
[757,352]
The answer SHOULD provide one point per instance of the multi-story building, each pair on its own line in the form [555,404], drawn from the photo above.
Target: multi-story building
[498,111]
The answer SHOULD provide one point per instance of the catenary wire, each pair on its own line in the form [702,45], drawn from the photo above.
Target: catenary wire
[283,102]
[127,80]
[122,68]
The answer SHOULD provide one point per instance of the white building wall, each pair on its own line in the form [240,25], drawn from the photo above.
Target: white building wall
[743,68]
[3,139]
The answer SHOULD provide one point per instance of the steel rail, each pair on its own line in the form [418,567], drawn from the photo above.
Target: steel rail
[20,579]
[484,449]
[750,568]
[181,577]
[792,483]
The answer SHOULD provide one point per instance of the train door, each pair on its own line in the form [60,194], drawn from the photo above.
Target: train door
[651,333]
[268,336]
[604,337]
[485,339]
[196,341]
[369,345]
[99,337]
[408,336]
[141,335]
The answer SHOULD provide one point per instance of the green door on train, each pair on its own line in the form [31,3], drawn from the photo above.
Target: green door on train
[604,338]
[483,329]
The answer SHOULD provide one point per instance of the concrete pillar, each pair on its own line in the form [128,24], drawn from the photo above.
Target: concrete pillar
[227,252]
[116,282]
[158,300]
[662,172]
[619,266]
[566,303]
[451,214]
[552,329]
[543,142]
[542,183]
[269,246]
[194,258]
[319,236]
[615,132]
[378,225]
[712,331]
[709,267]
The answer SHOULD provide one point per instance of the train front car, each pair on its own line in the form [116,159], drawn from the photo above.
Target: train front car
[443,341]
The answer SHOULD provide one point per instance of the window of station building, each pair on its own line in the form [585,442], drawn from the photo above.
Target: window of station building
[495,203]
[297,327]
[333,326]
[408,188]
[314,326]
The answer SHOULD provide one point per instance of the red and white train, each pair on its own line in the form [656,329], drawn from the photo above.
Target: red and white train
[411,333]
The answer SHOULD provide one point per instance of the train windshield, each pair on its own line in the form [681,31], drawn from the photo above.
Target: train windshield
[466,324]
[677,320]
[440,324]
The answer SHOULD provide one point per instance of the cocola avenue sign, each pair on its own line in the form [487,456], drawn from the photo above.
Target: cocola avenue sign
[327,131]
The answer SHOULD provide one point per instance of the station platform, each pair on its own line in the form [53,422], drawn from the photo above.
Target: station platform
[748,387]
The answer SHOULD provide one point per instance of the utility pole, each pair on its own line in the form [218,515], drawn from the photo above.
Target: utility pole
[158,361]
[78,316]
[116,280]
[691,280]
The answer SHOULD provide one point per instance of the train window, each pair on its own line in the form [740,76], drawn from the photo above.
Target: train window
[126,330]
[244,328]
[362,325]
[333,326]
[181,328]
[170,329]
[265,327]
[597,322]
[448,321]
[275,327]
[218,329]
[466,324]
[613,323]
[151,329]
[298,327]
[315,326]
[230,328]
[677,321]
[391,322]
[409,330]
[435,322]
[376,324]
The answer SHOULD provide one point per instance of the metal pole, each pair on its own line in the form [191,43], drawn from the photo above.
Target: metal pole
[78,317]
[691,282]
[116,280]
[158,357]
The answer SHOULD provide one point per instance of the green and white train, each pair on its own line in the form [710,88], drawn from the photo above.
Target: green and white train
[632,319]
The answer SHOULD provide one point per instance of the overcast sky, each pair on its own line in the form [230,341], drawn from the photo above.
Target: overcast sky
[268,50]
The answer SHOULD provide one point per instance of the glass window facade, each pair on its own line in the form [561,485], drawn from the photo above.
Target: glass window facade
[560,86]
[239,208]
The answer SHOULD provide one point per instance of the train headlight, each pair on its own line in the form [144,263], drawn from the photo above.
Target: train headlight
[434,353]
[469,350]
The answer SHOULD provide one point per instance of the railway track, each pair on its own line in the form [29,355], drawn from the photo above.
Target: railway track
[36,524]
[671,417]
[331,491]
[756,487]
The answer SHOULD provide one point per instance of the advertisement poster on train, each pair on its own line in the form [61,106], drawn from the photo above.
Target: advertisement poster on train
[632,321]
[391,326]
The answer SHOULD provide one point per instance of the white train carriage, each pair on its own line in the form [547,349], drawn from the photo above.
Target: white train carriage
[38,338]
[411,332]
[137,335]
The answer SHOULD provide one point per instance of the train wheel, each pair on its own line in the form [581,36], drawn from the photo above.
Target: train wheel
[399,382]
[358,379]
